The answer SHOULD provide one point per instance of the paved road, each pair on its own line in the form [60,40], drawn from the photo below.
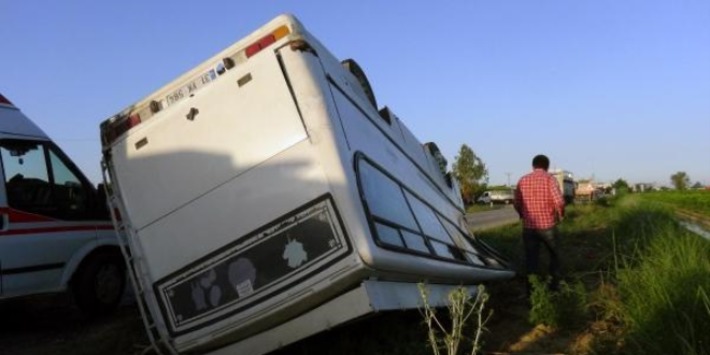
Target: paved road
[491,219]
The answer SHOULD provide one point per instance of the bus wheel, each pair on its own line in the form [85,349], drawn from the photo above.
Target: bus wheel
[355,69]
[99,283]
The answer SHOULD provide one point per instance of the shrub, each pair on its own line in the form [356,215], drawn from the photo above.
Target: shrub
[663,284]
[562,308]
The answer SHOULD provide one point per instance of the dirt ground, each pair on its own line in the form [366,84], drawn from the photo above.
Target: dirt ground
[51,325]
[509,332]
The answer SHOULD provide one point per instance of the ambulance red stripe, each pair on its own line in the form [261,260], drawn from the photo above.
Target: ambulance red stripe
[55,229]
[17,216]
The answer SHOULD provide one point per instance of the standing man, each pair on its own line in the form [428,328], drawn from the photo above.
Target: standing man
[539,203]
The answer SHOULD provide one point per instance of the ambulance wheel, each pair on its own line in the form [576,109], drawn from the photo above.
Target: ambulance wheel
[99,283]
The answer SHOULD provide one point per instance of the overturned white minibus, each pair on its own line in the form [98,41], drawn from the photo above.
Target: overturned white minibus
[265,199]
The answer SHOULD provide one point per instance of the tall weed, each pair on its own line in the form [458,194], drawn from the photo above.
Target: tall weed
[562,308]
[662,277]
[448,334]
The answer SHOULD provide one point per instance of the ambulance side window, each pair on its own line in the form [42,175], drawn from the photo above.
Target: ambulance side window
[37,180]
[69,193]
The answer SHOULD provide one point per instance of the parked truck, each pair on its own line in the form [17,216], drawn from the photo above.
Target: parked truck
[567,185]
[55,230]
[586,191]
[265,198]
[497,196]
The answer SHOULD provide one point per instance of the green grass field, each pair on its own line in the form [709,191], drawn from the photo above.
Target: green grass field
[692,200]
[646,279]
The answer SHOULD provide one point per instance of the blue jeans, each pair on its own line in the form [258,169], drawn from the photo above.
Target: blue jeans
[532,240]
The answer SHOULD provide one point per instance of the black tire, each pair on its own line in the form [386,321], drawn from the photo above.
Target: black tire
[354,68]
[99,283]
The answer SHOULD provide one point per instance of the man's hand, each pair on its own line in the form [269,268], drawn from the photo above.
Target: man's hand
[560,216]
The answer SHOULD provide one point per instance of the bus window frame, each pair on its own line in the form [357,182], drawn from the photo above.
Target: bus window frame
[373,220]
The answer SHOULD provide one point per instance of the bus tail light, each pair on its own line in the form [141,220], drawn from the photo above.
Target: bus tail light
[266,41]
[112,130]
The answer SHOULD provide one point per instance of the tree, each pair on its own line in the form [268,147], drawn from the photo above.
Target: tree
[697,185]
[680,180]
[620,185]
[470,172]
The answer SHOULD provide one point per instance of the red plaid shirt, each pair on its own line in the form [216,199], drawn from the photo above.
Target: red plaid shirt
[538,200]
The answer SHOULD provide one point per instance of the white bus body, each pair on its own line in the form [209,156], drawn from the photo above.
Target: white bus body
[267,199]
[55,231]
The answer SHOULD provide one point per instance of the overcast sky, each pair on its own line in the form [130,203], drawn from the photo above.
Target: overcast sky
[606,88]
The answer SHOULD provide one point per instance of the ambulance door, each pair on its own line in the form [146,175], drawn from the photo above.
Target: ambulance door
[47,216]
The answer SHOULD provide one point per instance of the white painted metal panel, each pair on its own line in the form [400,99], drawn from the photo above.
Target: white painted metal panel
[170,160]
[232,210]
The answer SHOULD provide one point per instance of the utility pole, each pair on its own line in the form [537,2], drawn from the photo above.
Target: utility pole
[508,178]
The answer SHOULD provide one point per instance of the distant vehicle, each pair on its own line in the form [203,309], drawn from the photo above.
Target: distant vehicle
[586,191]
[55,230]
[497,196]
[567,185]
[265,198]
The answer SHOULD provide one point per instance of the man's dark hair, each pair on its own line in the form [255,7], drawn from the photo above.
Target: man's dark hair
[541,162]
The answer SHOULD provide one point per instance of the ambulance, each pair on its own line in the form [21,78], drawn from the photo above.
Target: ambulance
[55,231]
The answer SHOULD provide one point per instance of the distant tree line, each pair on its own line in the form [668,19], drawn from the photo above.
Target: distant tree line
[680,180]
[471,173]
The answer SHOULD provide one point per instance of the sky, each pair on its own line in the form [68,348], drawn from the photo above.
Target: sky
[607,89]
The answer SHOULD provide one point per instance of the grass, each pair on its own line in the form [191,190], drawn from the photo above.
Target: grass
[694,200]
[483,207]
[663,284]
[565,307]
[645,286]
